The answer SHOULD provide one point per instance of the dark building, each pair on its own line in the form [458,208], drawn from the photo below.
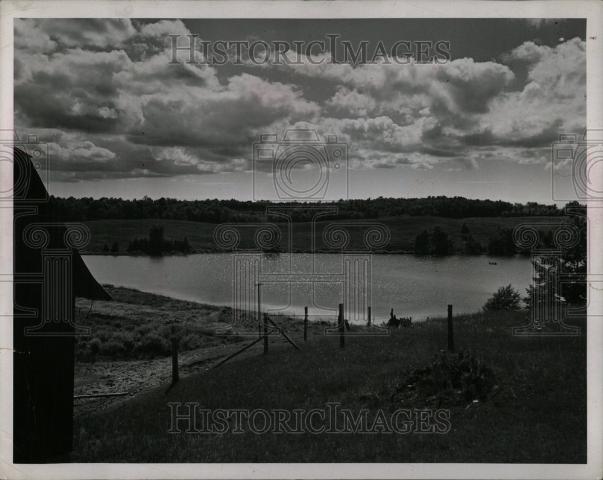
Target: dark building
[48,274]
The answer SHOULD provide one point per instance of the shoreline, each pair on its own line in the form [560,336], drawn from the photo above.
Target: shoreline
[308,252]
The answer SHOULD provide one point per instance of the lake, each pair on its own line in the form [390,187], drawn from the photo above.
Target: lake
[413,286]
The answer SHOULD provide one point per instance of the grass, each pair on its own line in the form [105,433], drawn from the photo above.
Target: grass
[403,231]
[138,325]
[537,416]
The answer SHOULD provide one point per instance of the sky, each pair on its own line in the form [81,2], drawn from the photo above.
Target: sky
[119,120]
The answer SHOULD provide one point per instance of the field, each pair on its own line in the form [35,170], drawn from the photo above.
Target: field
[403,231]
[129,346]
[535,412]
[137,325]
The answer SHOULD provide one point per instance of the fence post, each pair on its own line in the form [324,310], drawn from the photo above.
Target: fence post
[174,360]
[265,333]
[305,324]
[450,330]
[369,316]
[341,327]
[259,312]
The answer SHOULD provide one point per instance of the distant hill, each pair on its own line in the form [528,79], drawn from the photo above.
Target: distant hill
[403,231]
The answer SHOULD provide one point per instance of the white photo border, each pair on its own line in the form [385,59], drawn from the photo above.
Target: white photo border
[591,10]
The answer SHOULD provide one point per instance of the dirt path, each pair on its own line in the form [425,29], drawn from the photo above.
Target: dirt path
[138,376]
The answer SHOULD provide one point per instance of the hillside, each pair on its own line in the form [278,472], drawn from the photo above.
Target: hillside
[403,230]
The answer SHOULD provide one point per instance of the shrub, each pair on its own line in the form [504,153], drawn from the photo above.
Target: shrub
[450,379]
[505,299]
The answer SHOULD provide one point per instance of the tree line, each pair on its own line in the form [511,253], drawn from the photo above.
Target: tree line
[501,243]
[219,211]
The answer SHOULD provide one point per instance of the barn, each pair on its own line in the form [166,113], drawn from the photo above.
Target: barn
[48,273]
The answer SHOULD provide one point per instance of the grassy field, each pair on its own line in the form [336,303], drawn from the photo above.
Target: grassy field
[403,231]
[536,413]
[137,325]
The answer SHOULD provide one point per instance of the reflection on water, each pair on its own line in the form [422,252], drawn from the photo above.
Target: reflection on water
[413,286]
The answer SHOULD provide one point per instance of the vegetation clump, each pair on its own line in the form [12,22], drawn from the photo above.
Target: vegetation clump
[505,299]
[451,379]
[157,245]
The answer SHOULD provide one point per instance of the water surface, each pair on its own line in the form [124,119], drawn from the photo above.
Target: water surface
[413,286]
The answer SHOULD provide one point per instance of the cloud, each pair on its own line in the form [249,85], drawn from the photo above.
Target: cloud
[228,115]
[84,33]
[122,109]
[550,103]
[74,90]
[150,102]
[351,103]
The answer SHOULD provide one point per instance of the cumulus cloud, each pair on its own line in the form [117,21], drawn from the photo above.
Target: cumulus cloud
[551,102]
[84,33]
[122,109]
[149,101]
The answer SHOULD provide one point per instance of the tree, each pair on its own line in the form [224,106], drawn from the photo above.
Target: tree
[471,246]
[572,262]
[502,243]
[544,289]
[422,243]
[156,241]
[440,245]
[574,258]
[505,299]
[186,247]
[464,231]
[433,243]
[115,247]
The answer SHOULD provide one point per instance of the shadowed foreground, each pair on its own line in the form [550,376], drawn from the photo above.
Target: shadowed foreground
[537,415]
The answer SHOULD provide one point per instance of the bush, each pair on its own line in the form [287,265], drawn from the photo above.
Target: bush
[450,379]
[505,299]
